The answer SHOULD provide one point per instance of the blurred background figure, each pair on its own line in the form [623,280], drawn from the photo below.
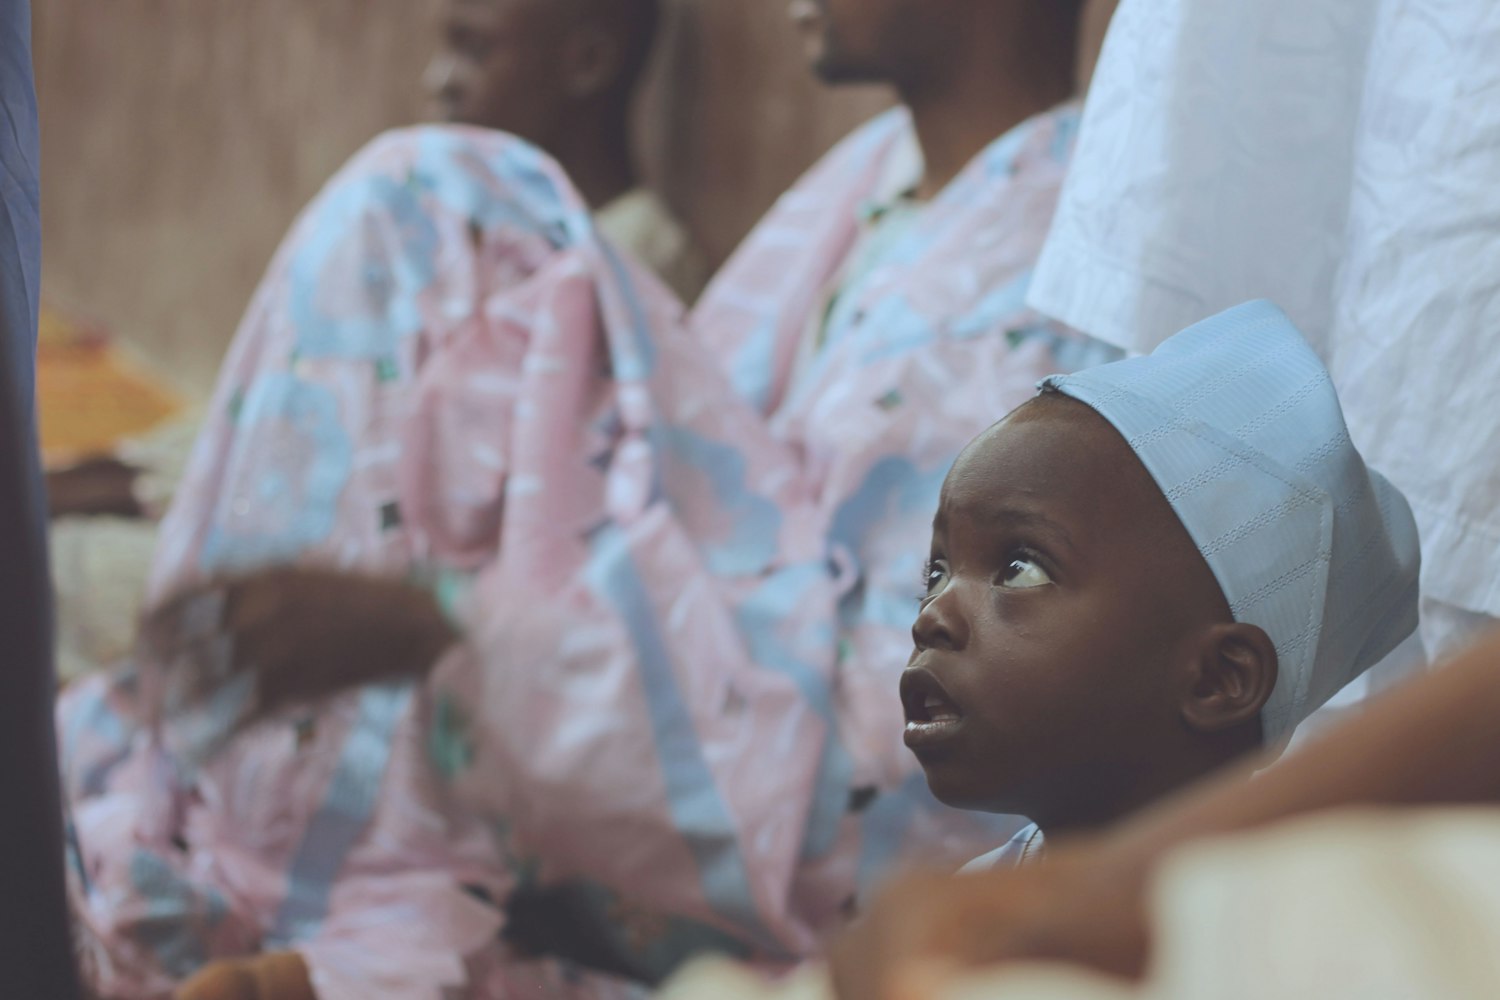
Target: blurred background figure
[563,74]
[132,334]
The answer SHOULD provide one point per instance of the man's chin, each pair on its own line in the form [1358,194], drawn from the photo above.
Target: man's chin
[835,71]
[444,113]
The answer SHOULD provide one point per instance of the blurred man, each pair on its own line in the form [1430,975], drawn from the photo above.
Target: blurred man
[562,74]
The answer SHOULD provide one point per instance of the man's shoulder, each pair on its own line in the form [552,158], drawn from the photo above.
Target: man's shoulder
[853,159]
[880,132]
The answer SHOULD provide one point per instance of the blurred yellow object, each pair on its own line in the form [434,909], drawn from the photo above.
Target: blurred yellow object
[89,395]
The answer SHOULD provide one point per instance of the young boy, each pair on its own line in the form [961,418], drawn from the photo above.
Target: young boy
[1147,571]
[1151,569]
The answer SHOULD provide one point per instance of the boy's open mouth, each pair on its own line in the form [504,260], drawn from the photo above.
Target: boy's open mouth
[931,715]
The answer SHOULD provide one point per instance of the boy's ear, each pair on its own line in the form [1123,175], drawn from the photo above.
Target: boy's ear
[1235,671]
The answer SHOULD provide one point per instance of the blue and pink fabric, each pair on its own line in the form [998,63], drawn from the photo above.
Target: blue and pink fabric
[686,563]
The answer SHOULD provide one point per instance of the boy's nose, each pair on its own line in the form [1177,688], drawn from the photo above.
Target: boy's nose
[941,623]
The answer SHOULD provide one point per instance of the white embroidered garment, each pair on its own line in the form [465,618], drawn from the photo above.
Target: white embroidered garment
[1339,157]
[1024,848]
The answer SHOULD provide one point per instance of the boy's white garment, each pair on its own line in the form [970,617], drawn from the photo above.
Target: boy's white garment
[1340,157]
[1238,423]
[1379,906]
[1023,849]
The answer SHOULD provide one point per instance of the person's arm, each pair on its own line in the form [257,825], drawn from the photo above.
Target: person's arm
[298,634]
[1433,742]
[100,486]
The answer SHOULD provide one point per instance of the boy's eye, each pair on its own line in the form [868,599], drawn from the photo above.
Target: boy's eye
[1024,574]
[933,577]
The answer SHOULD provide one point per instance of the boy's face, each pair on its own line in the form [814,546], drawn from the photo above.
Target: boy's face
[1064,602]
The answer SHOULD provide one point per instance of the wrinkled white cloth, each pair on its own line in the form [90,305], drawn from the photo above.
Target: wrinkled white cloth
[1339,157]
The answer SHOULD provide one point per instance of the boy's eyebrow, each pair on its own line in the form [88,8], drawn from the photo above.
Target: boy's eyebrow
[1034,520]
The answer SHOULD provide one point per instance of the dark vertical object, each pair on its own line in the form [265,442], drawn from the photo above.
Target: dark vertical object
[35,952]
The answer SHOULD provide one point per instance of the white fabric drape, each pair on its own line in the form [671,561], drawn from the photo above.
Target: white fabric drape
[1342,158]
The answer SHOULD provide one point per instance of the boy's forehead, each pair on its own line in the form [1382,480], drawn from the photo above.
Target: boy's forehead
[1042,443]
[1058,468]
[1057,454]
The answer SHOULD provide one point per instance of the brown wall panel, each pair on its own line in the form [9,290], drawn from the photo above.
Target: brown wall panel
[179,137]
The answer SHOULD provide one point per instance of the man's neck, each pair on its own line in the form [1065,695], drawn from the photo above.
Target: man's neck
[957,119]
[598,161]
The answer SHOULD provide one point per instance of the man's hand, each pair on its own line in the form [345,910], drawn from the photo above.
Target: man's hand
[95,487]
[275,975]
[289,636]
[562,921]
[1083,905]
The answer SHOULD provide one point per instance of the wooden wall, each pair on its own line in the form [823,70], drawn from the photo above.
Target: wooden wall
[180,137]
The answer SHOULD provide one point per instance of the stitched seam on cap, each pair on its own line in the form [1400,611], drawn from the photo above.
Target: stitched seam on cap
[1216,383]
[1261,520]
[1208,475]
[1267,589]
[1272,413]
